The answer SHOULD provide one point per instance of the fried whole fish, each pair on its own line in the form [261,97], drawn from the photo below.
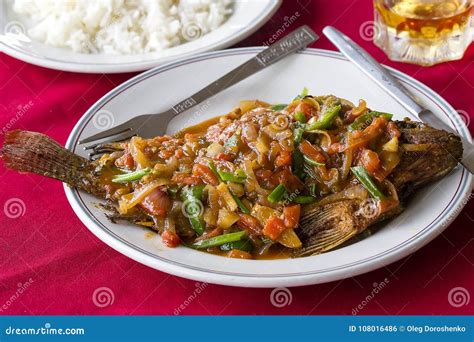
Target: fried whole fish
[172,166]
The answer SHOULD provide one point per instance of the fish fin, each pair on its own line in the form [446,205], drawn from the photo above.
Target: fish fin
[324,241]
[26,151]
[325,227]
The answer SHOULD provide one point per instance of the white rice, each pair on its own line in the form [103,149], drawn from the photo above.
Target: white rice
[121,26]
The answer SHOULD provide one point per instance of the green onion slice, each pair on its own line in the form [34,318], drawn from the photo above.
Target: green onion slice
[219,240]
[132,176]
[363,176]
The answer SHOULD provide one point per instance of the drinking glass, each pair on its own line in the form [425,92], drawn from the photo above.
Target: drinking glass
[424,32]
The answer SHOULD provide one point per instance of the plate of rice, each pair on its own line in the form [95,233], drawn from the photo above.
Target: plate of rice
[112,36]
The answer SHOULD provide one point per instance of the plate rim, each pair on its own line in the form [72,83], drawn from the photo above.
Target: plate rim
[136,253]
[261,19]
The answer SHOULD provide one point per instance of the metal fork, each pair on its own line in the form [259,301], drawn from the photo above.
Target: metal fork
[151,125]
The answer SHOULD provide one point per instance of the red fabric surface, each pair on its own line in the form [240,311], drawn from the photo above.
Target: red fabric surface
[63,263]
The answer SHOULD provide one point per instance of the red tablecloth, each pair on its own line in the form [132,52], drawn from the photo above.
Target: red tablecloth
[51,264]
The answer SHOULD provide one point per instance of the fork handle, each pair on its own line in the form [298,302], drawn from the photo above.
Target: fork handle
[293,42]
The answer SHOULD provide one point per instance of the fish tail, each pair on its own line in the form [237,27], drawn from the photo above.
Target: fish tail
[26,151]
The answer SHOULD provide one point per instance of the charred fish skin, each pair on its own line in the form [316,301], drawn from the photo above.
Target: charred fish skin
[33,152]
[323,228]
[441,154]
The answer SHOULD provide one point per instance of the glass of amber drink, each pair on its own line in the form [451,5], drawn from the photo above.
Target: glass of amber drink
[424,32]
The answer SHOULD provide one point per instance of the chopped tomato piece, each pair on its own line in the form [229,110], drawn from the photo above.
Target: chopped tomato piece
[375,129]
[311,151]
[249,223]
[284,158]
[156,203]
[393,130]
[205,173]
[170,238]
[263,174]
[288,179]
[274,227]
[125,161]
[164,154]
[238,254]
[291,216]
[179,153]
[185,179]
[370,160]
[308,110]
[223,156]
[336,148]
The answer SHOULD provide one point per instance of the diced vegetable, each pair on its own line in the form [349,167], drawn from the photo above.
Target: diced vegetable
[236,188]
[300,117]
[291,216]
[243,245]
[214,149]
[278,107]
[238,254]
[132,176]
[206,174]
[277,194]
[226,197]
[170,239]
[219,240]
[325,120]
[283,159]
[364,178]
[274,227]
[263,213]
[365,119]
[226,219]
[288,238]
[391,145]
[230,177]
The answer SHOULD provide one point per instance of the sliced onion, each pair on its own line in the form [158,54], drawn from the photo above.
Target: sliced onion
[226,219]
[171,166]
[354,192]
[251,183]
[263,213]
[391,145]
[326,134]
[214,149]
[128,201]
[136,146]
[347,163]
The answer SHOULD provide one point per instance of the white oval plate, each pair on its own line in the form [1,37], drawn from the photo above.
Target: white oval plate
[323,72]
[247,17]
